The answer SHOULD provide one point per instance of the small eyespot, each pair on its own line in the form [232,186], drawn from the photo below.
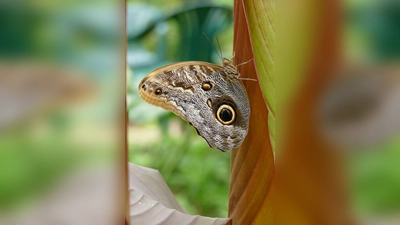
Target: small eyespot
[158,91]
[209,103]
[206,86]
[226,114]
[143,86]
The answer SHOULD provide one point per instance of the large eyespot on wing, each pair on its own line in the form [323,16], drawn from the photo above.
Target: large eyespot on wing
[230,127]
[226,114]
[225,110]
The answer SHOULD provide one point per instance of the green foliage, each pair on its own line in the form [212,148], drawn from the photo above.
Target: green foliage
[261,21]
[376,24]
[376,179]
[29,165]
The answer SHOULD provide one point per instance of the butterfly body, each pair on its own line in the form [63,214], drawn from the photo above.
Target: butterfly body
[210,97]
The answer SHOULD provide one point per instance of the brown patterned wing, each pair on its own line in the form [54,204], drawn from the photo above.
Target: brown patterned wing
[181,76]
[208,96]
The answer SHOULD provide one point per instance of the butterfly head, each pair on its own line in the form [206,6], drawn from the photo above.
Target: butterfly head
[229,68]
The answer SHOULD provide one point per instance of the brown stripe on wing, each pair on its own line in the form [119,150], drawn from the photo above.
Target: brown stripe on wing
[184,74]
[210,69]
[189,74]
[184,86]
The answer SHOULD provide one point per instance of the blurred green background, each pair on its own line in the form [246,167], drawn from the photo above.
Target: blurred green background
[372,34]
[62,115]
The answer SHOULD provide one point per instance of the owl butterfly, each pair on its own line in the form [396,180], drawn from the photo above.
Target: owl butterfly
[211,98]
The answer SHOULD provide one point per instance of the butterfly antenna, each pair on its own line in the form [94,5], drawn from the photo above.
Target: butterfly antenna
[233,56]
[242,78]
[219,46]
[220,56]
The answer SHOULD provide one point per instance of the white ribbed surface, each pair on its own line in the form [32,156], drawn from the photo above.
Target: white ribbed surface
[152,202]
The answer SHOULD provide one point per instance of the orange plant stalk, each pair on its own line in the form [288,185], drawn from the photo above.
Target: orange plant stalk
[309,185]
[252,165]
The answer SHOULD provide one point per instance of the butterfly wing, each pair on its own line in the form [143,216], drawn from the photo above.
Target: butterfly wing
[204,95]
[168,85]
